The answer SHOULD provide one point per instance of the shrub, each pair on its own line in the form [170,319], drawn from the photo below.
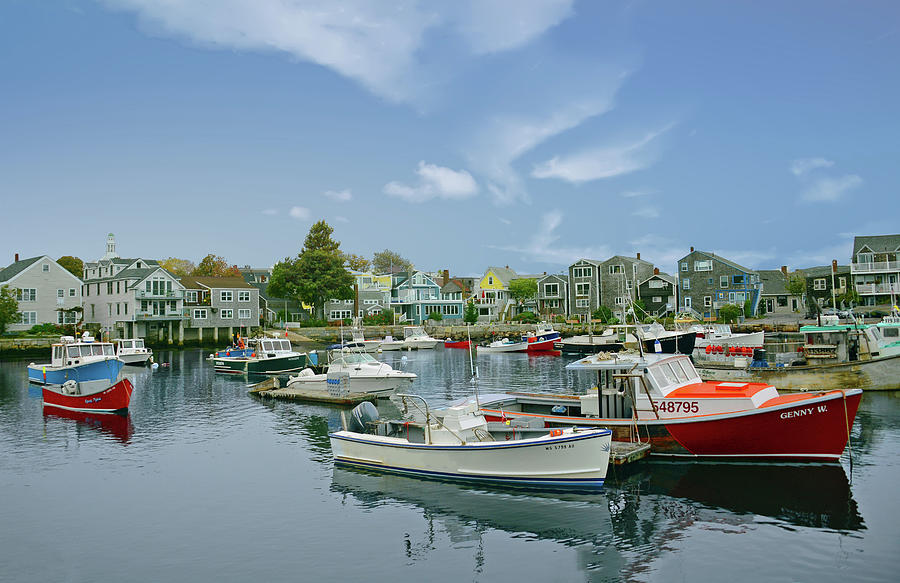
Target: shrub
[45,329]
[436,316]
[526,318]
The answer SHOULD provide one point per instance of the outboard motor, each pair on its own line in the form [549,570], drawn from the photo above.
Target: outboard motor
[361,416]
[759,358]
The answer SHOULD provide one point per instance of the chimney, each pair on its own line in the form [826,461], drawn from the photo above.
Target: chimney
[784,270]
[507,266]
[17,257]
[656,271]
[833,265]
[639,255]
[446,276]
[692,249]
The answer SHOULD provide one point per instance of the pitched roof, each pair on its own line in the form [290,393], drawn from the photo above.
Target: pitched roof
[504,274]
[628,259]
[228,282]
[18,267]
[877,243]
[727,262]
[823,271]
[774,282]
[452,286]
[661,275]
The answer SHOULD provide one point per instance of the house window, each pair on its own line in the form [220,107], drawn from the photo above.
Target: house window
[657,283]
[782,301]
[582,289]
[615,269]
[620,300]
[29,317]
[551,290]
[656,299]
[65,317]
[687,301]
[703,265]
[243,296]
[552,303]
[582,272]
[71,292]
[490,280]
[45,267]
[118,309]
[350,302]
[199,314]
[227,314]
[190,296]
[707,301]
[686,283]
[842,282]
[709,282]
[370,302]
[340,314]
[582,303]
[226,296]
[738,279]
[26,294]
[118,287]
[684,266]
[819,284]
[60,293]
[723,281]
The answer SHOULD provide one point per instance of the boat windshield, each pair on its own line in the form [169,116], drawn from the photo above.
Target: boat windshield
[354,358]
[85,349]
[412,331]
[138,343]
[673,372]
[97,349]
[890,332]
[73,351]
[108,350]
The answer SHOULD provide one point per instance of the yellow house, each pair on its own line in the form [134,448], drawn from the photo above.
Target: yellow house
[492,295]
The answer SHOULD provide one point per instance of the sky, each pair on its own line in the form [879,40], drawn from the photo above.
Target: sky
[459,133]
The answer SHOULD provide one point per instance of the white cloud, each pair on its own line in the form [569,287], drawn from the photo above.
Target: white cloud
[831,189]
[801,166]
[270,212]
[504,221]
[435,182]
[299,212]
[341,219]
[647,212]
[542,246]
[339,195]
[377,44]
[600,163]
[635,193]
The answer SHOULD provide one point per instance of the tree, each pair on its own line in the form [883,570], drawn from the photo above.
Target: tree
[436,316]
[387,260]
[179,267]
[796,285]
[215,266]
[9,307]
[470,316]
[523,289]
[602,314]
[73,265]
[748,308]
[729,313]
[357,262]
[316,275]
[849,299]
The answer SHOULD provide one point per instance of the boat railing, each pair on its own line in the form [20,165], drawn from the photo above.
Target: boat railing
[428,418]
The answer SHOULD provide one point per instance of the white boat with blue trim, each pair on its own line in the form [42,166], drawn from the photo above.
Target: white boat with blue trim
[458,443]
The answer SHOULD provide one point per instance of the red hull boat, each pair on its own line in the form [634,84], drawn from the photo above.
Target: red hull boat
[113,399]
[660,399]
[457,343]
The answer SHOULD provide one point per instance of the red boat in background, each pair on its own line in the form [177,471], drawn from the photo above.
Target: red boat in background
[542,339]
[94,396]
[660,399]
[457,343]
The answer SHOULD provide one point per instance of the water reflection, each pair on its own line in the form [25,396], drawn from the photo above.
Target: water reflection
[119,427]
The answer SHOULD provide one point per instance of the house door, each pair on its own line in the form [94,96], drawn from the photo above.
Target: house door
[794,305]
[770,305]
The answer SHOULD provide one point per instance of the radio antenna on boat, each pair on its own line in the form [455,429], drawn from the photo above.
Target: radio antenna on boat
[472,366]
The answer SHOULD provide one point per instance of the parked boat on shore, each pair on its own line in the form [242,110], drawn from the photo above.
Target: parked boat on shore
[662,399]
[459,444]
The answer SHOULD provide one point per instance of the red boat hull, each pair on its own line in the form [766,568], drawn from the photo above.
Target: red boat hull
[535,345]
[115,399]
[456,344]
[813,428]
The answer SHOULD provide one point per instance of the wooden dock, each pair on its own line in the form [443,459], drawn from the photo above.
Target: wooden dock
[272,388]
[625,452]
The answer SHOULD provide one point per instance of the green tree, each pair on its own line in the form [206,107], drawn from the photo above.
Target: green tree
[73,265]
[602,314]
[9,307]
[179,267]
[729,313]
[470,316]
[850,298]
[436,316]
[525,318]
[384,261]
[357,262]
[215,266]
[638,312]
[796,285]
[316,275]
[748,308]
[523,289]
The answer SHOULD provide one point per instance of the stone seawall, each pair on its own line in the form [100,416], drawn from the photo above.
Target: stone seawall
[25,347]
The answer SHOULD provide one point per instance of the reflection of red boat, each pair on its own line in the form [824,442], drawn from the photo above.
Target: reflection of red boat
[661,399]
[456,343]
[86,396]
[117,426]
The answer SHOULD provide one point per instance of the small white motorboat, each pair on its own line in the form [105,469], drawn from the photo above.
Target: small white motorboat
[133,351]
[389,343]
[458,443]
[504,345]
[366,374]
[416,338]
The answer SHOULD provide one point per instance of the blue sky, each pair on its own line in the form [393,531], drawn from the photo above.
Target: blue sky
[459,133]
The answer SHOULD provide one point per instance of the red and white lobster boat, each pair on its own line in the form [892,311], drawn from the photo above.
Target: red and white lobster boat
[450,343]
[542,339]
[661,399]
[94,396]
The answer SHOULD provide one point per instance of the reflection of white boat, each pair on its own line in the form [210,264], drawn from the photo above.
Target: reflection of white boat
[366,375]
[504,345]
[133,351]
[457,443]
[416,338]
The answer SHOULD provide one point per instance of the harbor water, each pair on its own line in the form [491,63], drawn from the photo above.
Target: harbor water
[203,482]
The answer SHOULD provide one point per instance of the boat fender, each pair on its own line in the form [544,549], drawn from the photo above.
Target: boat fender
[708,349]
[556,432]
[253,355]
[558,409]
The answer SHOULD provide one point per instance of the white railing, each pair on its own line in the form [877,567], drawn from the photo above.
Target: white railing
[871,267]
[878,288]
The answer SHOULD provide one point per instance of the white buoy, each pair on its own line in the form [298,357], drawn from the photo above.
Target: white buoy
[154,366]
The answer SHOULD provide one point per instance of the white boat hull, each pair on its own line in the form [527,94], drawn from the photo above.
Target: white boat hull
[381,384]
[136,358]
[395,345]
[573,459]
[514,347]
[421,344]
[752,339]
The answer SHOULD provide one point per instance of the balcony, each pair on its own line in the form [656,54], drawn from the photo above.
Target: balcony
[875,267]
[149,295]
[864,289]
[150,316]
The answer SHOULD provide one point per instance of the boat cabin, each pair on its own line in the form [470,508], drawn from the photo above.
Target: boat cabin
[270,347]
[413,332]
[129,345]
[69,352]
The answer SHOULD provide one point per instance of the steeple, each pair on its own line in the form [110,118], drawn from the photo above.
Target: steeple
[110,247]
